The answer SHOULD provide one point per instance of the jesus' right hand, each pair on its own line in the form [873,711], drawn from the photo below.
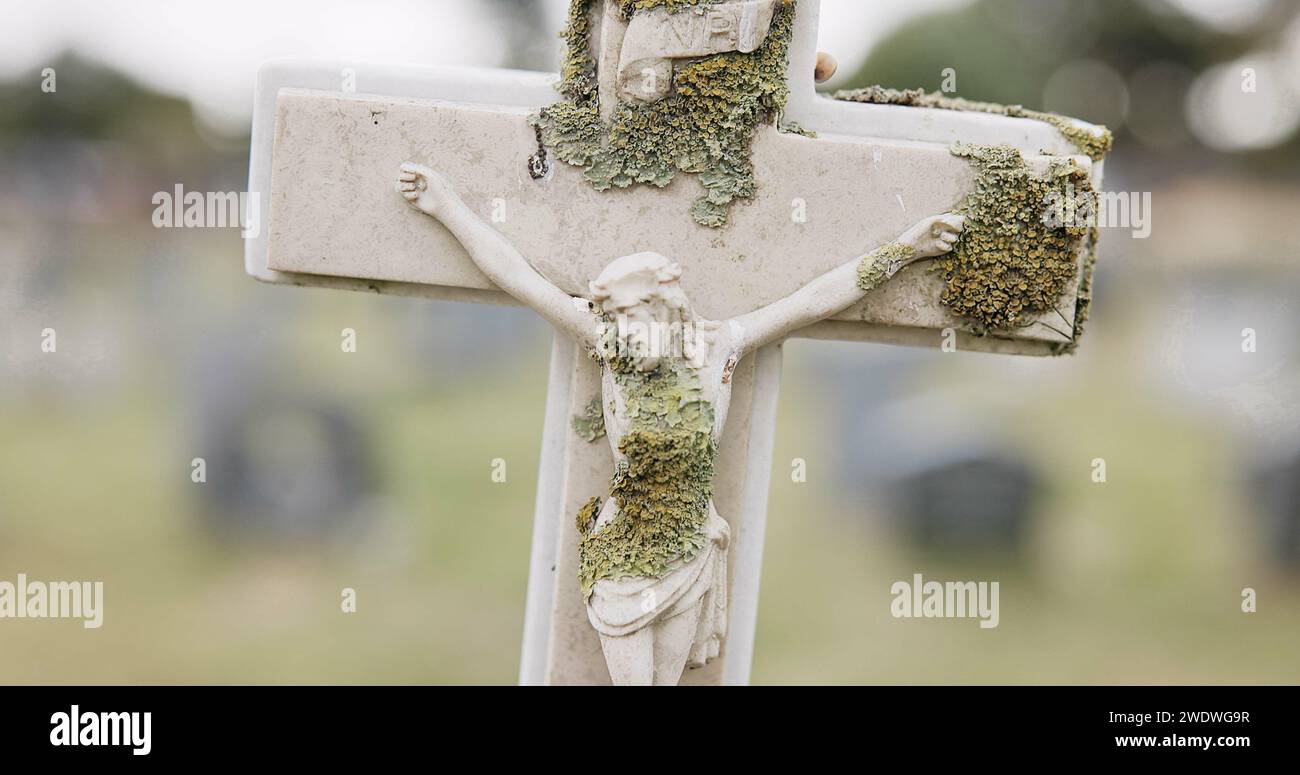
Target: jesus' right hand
[424,189]
[934,236]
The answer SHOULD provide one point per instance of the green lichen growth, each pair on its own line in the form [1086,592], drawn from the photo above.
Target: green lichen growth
[629,7]
[1009,267]
[578,70]
[1083,304]
[586,519]
[883,95]
[571,129]
[664,482]
[1093,144]
[705,127]
[875,267]
[590,425]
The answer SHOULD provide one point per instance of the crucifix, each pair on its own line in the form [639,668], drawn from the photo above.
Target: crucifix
[677,202]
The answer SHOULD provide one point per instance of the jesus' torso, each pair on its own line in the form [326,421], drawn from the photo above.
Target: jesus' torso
[714,373]
[663,424]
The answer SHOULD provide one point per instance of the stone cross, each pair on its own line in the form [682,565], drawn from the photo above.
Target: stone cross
[824,234]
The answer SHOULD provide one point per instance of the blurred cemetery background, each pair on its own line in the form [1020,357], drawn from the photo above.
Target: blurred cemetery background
[372,470]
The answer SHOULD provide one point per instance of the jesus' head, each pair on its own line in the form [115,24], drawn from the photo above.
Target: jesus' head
[643,297]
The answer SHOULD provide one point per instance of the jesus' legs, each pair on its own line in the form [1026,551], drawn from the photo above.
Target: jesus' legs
[630,658]
[674,638]
[654,655]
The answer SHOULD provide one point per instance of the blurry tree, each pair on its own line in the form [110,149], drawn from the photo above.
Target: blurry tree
[1007,51]
[99,108]
[91,102]
[529,37]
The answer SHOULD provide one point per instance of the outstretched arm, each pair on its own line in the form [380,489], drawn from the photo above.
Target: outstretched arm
[843,286]
[430,193]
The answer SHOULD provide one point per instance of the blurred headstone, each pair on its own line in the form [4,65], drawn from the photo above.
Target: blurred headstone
[1276,486]
[970,501]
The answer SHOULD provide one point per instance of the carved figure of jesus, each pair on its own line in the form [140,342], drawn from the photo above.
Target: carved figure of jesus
[653,556]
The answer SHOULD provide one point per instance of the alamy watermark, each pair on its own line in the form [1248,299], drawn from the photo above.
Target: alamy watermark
[208,210]
[624,336]
[923,599]
[53,600]
[1105,210]
[91,728]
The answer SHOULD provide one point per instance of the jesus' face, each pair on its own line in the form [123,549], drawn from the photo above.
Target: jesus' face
[644,301]
[649,331]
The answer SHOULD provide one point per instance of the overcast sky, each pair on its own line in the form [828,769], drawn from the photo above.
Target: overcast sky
[209,51]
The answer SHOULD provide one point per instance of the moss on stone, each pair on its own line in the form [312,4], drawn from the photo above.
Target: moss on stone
[664,483]
[1093,144]
[578,82]
[883,95]
[590,425]
[1009,265]
[587,515]
[880,264]
[705,127]
[629,7]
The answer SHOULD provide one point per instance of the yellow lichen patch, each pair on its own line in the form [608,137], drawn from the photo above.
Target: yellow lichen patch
[705,127]
[587,515]
[1093,144]
[883,95]
[1083,304]
[878,265]
[629,7]
[664,483]
[578,70]
[1011,263]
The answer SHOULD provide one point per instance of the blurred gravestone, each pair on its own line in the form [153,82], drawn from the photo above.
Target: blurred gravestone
[971,501]
[286,460]
[1276,486]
